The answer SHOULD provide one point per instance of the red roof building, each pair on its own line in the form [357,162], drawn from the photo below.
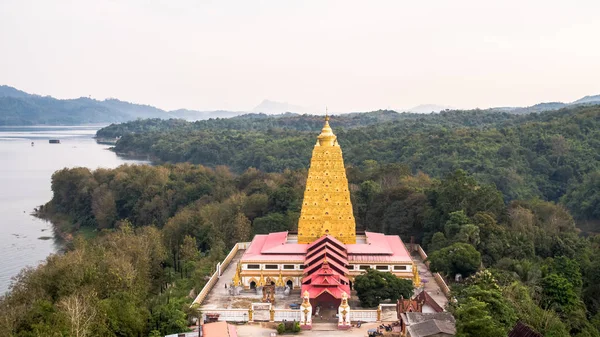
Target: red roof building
[325,270]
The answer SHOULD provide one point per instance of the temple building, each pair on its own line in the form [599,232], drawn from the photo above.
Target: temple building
[326,254]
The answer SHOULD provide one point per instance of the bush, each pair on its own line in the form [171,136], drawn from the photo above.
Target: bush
[296,327]
[281,328]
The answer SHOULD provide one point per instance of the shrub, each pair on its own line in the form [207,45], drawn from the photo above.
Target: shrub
[281,328]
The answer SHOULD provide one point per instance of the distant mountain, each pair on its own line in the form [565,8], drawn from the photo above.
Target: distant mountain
[20,108]
[550,106]
[195,115]
[538,108]
[271,107]
[6,91]
[427,108]
[588,99]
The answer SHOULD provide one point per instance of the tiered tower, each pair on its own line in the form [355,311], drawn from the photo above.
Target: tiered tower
[326,208]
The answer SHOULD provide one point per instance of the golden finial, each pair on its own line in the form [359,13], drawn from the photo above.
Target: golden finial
[326,114]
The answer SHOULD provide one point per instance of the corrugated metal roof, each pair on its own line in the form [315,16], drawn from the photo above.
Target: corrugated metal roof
[522,330]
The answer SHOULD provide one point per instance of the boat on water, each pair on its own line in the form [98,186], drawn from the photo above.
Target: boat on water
[54,141]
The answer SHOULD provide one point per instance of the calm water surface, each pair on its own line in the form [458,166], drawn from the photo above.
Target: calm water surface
[25,173]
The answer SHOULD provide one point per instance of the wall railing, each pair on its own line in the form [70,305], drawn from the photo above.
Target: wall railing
[219,268]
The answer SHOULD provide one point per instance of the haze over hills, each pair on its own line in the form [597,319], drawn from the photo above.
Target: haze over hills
[20,108]
[427,108]
[273,107]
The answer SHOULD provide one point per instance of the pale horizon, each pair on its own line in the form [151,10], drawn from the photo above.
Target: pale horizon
[348,55]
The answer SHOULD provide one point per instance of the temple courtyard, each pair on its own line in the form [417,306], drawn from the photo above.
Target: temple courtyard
[220,297]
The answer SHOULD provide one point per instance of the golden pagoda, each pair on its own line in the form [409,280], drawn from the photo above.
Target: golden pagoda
[326,208]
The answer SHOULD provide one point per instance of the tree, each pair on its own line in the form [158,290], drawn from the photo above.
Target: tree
[583,199]
[458,258]
[375,286]
[104,207]
[273,222]
[558,293]
[497,306]
[80,311]
[241,228]
[474,320]
[188,253]
[460,191]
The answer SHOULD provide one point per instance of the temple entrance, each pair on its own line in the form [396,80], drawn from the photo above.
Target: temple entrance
[325,308]
[253,285]
[290,284]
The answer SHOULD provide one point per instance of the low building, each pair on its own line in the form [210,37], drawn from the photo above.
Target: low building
[417,324]
[280,258]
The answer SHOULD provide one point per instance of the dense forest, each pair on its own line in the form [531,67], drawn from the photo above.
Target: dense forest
[145,237]
[553,156]
[154,233]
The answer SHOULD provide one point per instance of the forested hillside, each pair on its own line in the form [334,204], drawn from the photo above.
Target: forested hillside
[549,155]
[155,232]
[484,193]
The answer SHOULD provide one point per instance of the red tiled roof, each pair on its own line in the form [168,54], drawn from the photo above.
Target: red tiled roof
[330,254]
[376,243]
[325,279]
[424,298]
[273,247]
[219,329]
[316,249]
[329,238]
[336,266]
[379,248]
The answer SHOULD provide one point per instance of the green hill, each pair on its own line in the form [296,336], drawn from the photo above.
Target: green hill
[524,156]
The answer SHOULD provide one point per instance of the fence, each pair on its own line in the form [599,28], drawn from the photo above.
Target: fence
[363,315]
[443,286]
[243,315]
[423,255]
[287,315]
[437,277]
[229,315]
[218,272]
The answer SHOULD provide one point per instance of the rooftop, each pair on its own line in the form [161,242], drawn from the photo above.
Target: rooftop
[218,329]
[418,317]
[375,247]
[431,328]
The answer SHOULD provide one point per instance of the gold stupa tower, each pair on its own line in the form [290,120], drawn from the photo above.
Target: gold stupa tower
[326,208]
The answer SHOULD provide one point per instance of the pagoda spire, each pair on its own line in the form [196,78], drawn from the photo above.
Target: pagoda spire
[326,208]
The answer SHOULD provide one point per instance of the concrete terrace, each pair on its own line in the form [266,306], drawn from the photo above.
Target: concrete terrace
[429,283]
[219,297]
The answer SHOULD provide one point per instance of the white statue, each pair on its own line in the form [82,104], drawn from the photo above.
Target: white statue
[306,312]
[344,313]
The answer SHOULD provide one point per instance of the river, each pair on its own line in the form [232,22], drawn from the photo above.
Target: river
[25,175]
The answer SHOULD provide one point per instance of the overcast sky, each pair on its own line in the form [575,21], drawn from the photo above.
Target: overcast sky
[349,55]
